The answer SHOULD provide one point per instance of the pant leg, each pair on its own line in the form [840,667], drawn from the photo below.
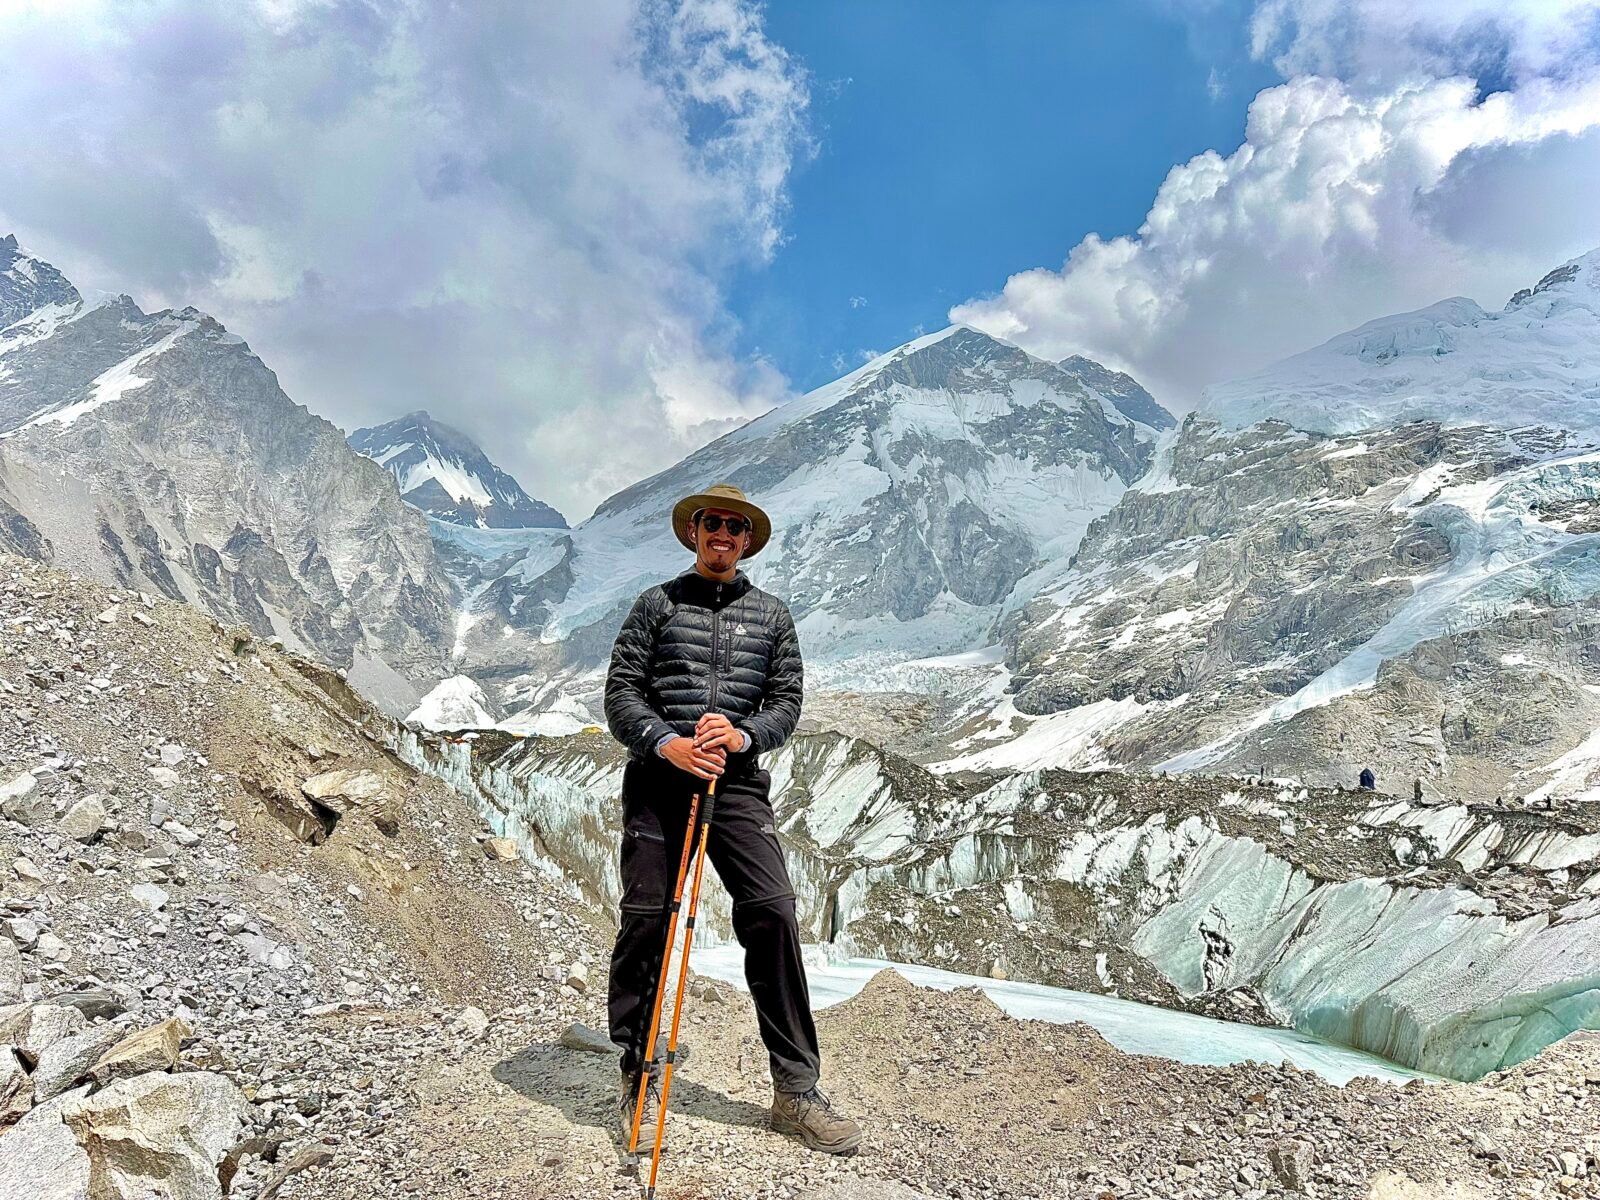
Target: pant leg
[654,816]
[744,850]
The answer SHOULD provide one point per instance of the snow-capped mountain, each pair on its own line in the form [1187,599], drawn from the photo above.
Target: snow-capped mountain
[448,476]
[154,450]
[29,285]
[1129,396]
[1534,362]
[911,498]
[1413,595]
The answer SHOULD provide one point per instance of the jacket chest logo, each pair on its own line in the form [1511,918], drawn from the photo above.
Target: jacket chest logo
[739,629]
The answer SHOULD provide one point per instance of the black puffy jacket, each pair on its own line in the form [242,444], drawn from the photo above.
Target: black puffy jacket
[692,645]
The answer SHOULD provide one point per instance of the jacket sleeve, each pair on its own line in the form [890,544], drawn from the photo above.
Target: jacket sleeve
[628,713]
[772,726]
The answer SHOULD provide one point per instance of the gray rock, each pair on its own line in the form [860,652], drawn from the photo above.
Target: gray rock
[97,1004]
[17,787]
[20,803]
[160,1135]
[16,1087]
[579,1036]
[84,820]
[150,897]
[39,1157]
[1292,1160]
[43,1025]
[68,1061]
[10,972]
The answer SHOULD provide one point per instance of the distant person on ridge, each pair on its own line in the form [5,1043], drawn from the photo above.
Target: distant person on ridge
[705,675]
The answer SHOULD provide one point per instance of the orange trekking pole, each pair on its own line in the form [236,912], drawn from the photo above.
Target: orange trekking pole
[683,977]
[666,965]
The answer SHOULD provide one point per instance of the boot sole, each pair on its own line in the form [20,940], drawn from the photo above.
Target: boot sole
[794,1129]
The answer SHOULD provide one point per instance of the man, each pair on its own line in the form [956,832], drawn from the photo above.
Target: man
[705,676]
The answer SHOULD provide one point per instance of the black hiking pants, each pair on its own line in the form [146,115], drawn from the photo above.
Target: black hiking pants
[743,848]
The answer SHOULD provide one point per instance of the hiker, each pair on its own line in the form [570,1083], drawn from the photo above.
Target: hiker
[705,676]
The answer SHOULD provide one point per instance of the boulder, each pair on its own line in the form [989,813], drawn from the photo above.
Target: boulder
[95,1003]
[39,1157]
[10,972]
[42,1026]
[68,1061]
[343,789]
[149,897]
[579,1036]
[16,1087]
[1291,1161]
[346,789]
[503,849]
[159,1135]
[84,820]
[17,787]
[152,1049]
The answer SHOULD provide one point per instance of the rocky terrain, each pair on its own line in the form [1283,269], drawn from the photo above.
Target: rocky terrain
[1418,600]
[250,952]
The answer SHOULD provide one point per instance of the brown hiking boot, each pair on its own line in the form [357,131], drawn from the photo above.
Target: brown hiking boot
[628,1101]
[809,1116]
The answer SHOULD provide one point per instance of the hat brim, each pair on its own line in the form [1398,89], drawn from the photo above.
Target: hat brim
[684,510]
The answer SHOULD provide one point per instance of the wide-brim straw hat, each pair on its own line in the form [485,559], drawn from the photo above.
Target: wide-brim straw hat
[722,495]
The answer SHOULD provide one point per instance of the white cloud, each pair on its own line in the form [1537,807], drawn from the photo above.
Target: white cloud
[1385,42]
[1347,200]
[858,301]
[518,216]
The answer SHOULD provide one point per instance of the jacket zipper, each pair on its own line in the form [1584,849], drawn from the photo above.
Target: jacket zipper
[711,704]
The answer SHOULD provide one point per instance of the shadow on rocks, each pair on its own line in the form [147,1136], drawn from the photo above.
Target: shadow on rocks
[583,1086]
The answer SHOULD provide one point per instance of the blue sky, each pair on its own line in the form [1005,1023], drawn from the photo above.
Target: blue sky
[958,143]
[597,236]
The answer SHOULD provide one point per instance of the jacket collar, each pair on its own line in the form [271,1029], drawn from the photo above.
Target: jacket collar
[697,589]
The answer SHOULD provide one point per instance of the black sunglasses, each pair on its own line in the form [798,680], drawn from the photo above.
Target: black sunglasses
[710,522]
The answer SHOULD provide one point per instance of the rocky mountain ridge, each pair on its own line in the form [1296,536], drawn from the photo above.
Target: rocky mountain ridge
[155,451]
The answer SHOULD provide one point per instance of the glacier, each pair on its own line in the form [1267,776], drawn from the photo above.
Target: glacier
[1455,941]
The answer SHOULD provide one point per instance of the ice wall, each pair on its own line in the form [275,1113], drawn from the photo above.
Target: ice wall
[1433,974]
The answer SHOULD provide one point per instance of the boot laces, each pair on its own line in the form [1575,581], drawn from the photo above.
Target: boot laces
[814,1095]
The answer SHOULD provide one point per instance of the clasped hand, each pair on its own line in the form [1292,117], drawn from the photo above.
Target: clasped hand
[706,753]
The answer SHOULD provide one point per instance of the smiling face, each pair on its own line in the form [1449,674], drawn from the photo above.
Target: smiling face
[717,551]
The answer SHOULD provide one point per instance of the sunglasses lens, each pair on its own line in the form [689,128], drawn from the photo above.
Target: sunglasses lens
[712,523]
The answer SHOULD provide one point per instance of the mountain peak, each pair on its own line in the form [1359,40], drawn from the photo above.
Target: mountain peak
[1585,265]
[1127,394]
[28,284]
[442,471]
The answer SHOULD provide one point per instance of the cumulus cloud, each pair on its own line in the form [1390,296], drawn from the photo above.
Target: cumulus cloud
[1348,199]
[516,216]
